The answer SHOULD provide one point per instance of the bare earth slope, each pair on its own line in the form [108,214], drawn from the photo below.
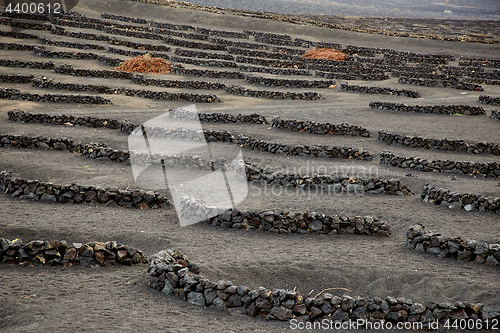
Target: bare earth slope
[117,299]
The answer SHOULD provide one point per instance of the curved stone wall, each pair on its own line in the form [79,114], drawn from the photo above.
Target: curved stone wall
[469,110]
[27,64]
[14,94]
[241,91]
[207,73]
[60,253]
[485,169]
[284,222]
[273,82]
[36,190]
[319,128]
[484,99]
[378,90]
[453,200]
[423,240]
[275,71]
[193,45]
[172,274]
[444,83]
[303,150]
[207,62]
[205,55]
[47,41]
[16,78]
[439,144]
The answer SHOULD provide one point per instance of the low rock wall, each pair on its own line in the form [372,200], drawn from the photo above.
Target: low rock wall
[40,51]
[423,240]
[16,78]
[253,118]
[275,71]
[143,46]
[485,99]
[207,73]
[453,200]
[352,75]
[124,18]
[284,222]
[379,90]
[271,62]
[264,54]
[173,274]
[204,55]
[16,47]
[36,190]
[439,144]
[274,82]
[14,94]
[205,62]
[69,70]
[240,44]
[139,79]
[303,150]
[440,83]
[437,109]
[495,114]
[312,127]
[485,169]
[61,253]
[222,33]
[60,31]
[131,53]
[193,45]
[19,35]
[159,95]
[479,62]
[241,91]
[47,41]
[27,64]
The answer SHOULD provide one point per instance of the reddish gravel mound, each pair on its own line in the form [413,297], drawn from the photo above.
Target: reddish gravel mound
[145,64]
[325,53]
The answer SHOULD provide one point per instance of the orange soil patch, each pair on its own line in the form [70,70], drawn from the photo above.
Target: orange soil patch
[325,53]
[145,64]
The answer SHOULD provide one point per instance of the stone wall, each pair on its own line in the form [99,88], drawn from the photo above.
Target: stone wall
[469,110]
[303,150]
[131,53]
[253,118]
[205,55]
[495,114]
[327,184]
[284,222]
[172,274]
[61,253]
[47,192]
[439,144]
[193,45]
[485,169]
[264,54]
[312,127]
[484,99]
[159,95]
[41,51]
[69,70]
[139,79]
[14,94]
[16,47]
[350,75]
[275,71]
[19,35]
[246,45]
[443,83]
[271,62]
[57,30]
[453,200]
[222,33]
[47,41]
[479,62]
[27,64]
[16,78]
[207,73]
[423,240]
[379,90]
[143,46]
[241,91]
[274,82]
[205,62]
[124,18]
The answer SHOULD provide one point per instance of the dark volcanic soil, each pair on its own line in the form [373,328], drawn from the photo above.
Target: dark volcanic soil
[117,299]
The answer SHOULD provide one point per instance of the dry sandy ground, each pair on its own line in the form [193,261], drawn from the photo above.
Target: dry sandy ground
[117,299]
